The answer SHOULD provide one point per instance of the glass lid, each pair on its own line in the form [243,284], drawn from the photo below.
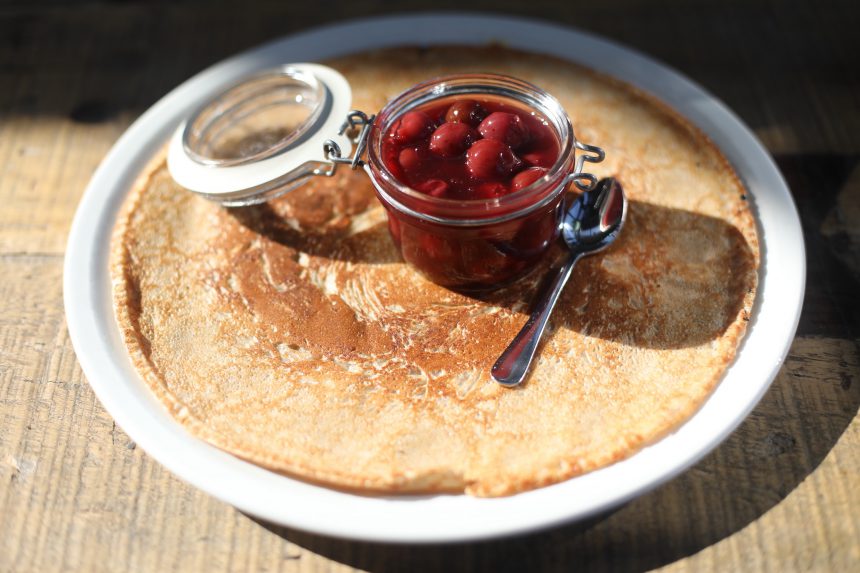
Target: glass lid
[256,119]
[263,136]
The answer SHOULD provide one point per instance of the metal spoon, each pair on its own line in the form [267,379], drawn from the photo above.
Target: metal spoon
[590,225]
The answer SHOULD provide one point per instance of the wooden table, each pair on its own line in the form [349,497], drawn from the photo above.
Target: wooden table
[782,493]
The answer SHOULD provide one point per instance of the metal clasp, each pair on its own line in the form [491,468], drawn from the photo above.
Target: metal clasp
[586,181]
[355,121]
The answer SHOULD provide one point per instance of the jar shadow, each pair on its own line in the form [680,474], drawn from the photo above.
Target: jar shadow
[673,278]
[338,218]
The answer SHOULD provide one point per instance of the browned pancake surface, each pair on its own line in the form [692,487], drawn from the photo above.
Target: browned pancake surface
[292,335]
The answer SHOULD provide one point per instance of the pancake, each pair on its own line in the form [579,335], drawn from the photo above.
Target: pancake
[292,335]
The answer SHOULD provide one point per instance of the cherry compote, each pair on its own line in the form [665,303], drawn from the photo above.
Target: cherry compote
[469,149]
[473,182]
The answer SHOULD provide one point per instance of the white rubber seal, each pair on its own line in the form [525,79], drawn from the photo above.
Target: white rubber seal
[215,180]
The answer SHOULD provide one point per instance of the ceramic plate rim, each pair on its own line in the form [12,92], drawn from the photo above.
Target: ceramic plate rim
[431,519]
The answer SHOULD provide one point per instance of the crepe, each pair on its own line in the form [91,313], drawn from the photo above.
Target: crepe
[292,334]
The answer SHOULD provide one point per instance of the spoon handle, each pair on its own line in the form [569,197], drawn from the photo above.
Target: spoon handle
[513,365]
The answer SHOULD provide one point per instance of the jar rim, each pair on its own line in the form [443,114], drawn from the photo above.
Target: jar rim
[475,84]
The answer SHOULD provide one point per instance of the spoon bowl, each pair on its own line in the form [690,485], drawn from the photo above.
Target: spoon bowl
[594,220]
[590,225]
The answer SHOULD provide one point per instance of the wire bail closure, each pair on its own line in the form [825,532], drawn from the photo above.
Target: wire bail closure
[354,120]
[586,181]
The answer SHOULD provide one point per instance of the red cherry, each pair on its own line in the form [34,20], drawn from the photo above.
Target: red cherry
[466,111]
[409,159]
[438,249]
[489,190]
[414,125]
[433,187]
[483,262]
[541,157]
[505,127]
[452,139]
[488,159]
[527,177]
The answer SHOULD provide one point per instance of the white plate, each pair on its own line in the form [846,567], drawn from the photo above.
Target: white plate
[293,503]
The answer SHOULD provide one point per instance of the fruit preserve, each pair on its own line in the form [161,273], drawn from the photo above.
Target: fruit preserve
[469,148]
[472,170]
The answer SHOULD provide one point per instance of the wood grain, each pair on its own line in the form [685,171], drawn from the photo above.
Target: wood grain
[781,494]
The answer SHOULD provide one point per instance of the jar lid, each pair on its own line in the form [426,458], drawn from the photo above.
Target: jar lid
[263,136]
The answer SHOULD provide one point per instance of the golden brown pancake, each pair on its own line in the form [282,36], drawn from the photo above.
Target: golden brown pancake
[292,335]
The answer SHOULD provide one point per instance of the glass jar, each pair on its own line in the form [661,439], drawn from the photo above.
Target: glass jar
[475,244]
[471,245]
